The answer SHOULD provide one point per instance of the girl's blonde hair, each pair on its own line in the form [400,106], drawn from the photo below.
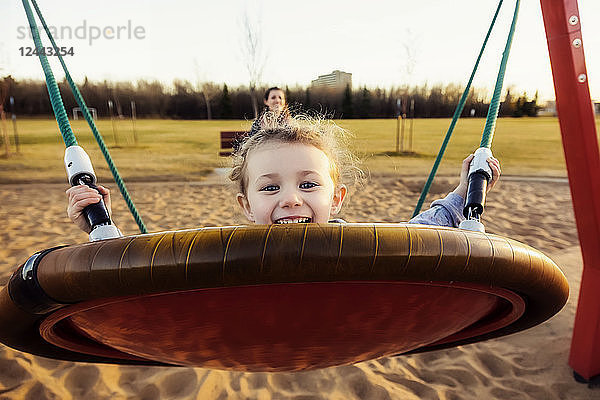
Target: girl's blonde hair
[321,133]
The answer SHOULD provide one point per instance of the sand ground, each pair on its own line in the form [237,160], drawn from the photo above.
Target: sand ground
[527,365]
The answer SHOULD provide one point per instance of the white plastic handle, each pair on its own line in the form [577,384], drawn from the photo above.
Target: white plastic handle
[77,162]
[479,162]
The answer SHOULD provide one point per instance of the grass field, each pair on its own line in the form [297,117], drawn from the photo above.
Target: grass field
[188,150]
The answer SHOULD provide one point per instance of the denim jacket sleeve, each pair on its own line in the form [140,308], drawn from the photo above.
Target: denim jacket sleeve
[443,212]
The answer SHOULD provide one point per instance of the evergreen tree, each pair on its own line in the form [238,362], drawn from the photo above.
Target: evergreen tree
[507,107]
[519,106]
[307,98]
[347,110]
[526,107]
[225,103]
[365,103]
[435,102]
[534,108]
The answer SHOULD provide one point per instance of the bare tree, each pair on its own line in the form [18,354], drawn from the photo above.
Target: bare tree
[410,47]
[409,54]
[208,89]
[253,54]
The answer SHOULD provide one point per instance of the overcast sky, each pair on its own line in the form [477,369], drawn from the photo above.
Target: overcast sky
[382,43]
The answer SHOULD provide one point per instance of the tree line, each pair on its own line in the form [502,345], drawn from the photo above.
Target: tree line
[184,100]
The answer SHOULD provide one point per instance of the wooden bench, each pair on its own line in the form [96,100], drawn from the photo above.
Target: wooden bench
[228,138]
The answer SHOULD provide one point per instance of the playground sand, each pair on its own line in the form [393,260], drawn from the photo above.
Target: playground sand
[527,365]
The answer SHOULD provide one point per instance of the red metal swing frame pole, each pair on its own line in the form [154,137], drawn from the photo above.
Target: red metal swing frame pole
[580,143]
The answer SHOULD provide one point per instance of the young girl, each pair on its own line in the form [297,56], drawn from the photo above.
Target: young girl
[296,172]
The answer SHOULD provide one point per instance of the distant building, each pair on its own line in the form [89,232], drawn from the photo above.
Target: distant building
[550,108]
[337,80]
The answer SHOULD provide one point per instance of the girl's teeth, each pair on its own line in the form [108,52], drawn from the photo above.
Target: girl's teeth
[293,221]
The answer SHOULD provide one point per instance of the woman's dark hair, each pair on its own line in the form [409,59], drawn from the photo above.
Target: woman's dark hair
[269,91]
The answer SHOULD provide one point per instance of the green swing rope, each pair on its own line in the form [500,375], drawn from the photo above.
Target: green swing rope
[59,109]
[492,115]
[55,98]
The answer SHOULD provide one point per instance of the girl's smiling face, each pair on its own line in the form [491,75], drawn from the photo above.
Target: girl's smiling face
[289,182]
